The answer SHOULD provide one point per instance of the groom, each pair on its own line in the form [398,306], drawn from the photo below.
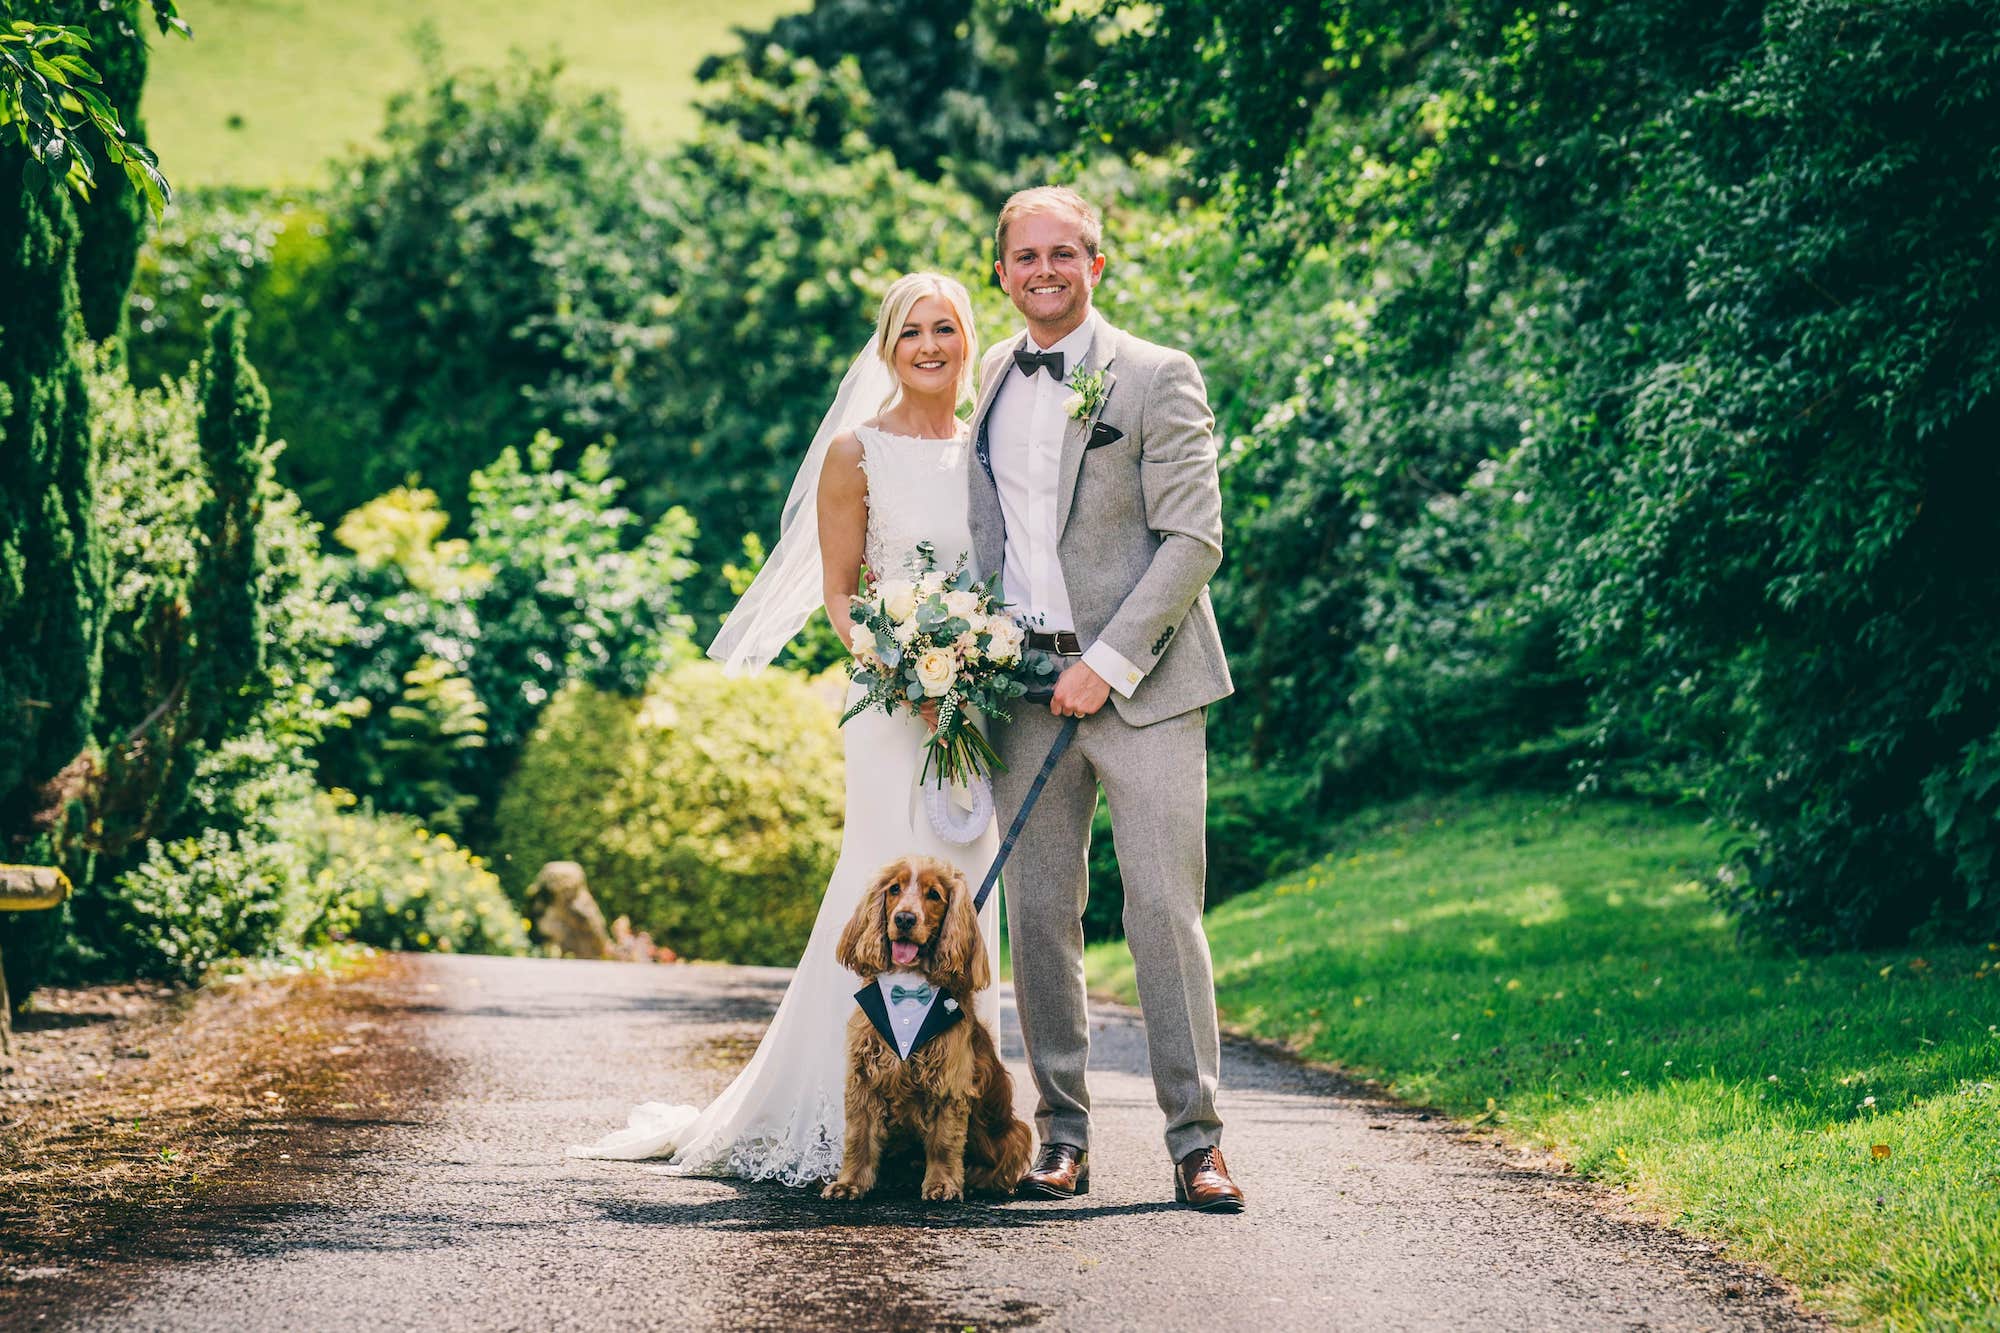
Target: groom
[1097,502]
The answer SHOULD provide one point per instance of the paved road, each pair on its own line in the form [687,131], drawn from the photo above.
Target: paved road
[461,1212]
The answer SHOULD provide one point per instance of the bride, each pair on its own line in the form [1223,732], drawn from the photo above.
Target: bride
[886,471]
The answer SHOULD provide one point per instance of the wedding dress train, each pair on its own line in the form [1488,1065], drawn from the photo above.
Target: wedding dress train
[782,1118]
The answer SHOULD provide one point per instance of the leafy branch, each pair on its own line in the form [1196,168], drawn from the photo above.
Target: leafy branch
[51,99]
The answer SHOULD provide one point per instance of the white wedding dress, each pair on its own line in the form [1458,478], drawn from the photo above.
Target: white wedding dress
[783,1116]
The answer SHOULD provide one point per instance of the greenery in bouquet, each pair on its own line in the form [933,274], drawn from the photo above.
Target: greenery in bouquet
[942,637]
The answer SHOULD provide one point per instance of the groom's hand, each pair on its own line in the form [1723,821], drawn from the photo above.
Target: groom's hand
[1079,692]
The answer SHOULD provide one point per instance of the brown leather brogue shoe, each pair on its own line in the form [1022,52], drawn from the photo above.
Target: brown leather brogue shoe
[1060,1172]
[1201,1180]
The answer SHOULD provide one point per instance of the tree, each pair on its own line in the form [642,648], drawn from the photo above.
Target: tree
[771,297]
[465,641]
[112,216]
[967,88]
[52,569]
[189,663]
[487,275]
[1734,261]
[47,103]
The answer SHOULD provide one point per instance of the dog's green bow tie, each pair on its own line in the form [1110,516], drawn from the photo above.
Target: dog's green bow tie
[898,994]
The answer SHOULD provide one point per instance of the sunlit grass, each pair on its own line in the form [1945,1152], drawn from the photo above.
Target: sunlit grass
[267,92]
[1559,972]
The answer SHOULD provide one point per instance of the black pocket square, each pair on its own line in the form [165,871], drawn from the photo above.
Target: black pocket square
[1101,435]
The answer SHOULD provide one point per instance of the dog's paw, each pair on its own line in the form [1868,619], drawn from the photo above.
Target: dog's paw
[844,1189]
[940,1190]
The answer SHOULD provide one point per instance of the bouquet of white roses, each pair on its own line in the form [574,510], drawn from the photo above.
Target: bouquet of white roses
[942,637]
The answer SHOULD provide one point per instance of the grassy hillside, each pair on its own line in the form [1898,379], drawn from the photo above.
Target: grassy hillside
[1558,973]
[267,91]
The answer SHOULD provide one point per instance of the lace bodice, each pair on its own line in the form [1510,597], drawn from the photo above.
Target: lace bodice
[916,493]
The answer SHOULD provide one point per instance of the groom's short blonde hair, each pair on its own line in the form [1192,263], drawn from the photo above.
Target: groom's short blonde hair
[1049,199]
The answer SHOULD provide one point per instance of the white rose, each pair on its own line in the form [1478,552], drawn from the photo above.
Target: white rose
[863,647]
[903,632]
[936,670]
[1073,405]
[899,598]
[931,583]
[960,602]
[1006,644]
[979,624]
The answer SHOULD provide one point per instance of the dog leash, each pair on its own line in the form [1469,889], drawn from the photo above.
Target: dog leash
[1063,738]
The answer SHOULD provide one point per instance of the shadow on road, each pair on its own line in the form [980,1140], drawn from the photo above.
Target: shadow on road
[777,1208]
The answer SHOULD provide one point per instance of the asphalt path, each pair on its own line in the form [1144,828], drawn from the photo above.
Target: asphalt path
[459,1211]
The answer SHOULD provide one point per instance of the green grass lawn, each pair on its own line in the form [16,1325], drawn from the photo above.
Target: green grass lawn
[1558,972]
[267,91]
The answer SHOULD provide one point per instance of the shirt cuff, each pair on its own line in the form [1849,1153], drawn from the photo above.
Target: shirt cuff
[1109,663]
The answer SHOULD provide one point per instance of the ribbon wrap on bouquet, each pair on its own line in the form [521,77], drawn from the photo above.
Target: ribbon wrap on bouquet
[960,812]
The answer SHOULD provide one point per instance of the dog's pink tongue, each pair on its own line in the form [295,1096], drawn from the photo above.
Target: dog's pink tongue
[903,952]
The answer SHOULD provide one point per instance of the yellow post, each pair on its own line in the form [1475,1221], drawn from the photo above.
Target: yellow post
[25,889]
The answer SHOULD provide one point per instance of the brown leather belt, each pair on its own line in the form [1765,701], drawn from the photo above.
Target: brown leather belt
[1063,642]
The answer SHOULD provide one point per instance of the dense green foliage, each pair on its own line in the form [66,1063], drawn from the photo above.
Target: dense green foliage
[512,262]
[708,811]
[111,216]
[319,870]
[463,641]
[489,274]
[1713,288]
[386,880]
[1555,971]
[773,293]
[189,759]
[52,568]
[55,108]
[212,895]
[1598,402]
[217,248]
[968,88]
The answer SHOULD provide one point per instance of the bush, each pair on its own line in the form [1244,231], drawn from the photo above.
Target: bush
[388,881]
[466,640]
[709,811]
[195,901]
[322,870]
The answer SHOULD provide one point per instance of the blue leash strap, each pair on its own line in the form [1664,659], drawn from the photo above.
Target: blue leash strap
[1063,738]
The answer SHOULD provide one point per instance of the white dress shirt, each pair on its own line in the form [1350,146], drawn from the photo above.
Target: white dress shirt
[908,1017]
[1024,435]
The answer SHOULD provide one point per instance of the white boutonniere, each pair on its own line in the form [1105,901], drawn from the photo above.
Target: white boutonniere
[1088,395]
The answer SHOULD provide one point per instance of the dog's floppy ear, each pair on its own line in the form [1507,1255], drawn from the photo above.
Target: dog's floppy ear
[961,955]
[863,947]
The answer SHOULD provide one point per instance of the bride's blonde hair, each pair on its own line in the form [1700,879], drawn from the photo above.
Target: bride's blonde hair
[898,301]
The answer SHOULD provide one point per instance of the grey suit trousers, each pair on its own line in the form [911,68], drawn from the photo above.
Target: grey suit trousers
[1156,780]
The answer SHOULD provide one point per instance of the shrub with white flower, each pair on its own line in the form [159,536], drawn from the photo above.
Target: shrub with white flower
[943,637]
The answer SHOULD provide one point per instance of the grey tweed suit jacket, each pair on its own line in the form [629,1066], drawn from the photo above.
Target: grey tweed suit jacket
[1140,519]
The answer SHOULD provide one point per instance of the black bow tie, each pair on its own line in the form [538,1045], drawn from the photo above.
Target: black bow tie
[1030,362]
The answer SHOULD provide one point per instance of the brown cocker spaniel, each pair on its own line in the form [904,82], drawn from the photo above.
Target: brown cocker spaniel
[951,1093]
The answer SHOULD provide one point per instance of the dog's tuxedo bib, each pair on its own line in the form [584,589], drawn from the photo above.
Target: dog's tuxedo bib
[907,1010]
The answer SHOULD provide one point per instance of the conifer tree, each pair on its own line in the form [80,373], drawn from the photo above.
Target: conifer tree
[227,613]
[52,564]
[113,219]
